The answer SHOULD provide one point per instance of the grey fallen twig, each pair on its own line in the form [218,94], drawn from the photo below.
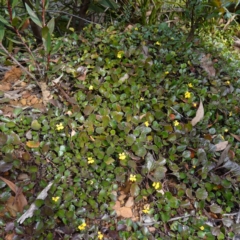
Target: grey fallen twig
[33,207]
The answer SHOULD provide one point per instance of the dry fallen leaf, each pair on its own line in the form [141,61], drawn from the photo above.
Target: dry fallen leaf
[11,206]
[130,202]
[199,114]
[207,64]
[126,212]
[10,236]
[221,146]
[237,137]
[33,144]
[20,200]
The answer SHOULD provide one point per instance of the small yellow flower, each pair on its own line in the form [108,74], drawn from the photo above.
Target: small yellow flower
[146,208]
[122,156]
[187,94]
[132,178]
[55,199]
[100,235]
[156,185]
[120,54]
[146,123]
[90,160]
[141,99]
[71,29]
[158,43]
[194,104]
[136,28]
[225,130]
[176,123]
[90,87]
[82,226]
[201,228]
[59,126]
[230,114]
[190,85]
[227,82]
[194,166]
[167,72]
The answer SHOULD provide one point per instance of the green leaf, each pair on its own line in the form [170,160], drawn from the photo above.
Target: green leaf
[2,32]
[135,190]
[159,173]
[14,3]
[35,125]
[215,208]
[51,25]
[149,162]
[201,193]
[33,16]
[5,22]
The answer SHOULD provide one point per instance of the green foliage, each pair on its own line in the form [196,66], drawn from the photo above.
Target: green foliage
[133,93]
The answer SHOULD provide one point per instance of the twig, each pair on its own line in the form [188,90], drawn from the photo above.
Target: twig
[177,218]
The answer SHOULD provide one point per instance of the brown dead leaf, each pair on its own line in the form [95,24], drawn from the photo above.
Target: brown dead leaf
[199,114]
[130,202]
[46,94]
[11,206]
[33,144]
[117,205]
[237,137]
[12,75]
[126,212]
[5,87]
[207,64]
[10,236]
[20,200]
[122,197]
[221,146]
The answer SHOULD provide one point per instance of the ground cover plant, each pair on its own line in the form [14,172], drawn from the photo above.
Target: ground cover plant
[141,141]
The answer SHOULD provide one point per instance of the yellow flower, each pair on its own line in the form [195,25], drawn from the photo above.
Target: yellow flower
[156,185]
[120,54]
[167,72]
[132,178]
[146,123]
[194,166]
[201,228]
[158,43]
[227,82]
[136,28]
[141,99]
[90,87]
[187,94]
[100,235]
[146,208]
[190,85]
[194,104]
[90,160]
[225,130]
[176,123]
[82,226]
[230,114]
[59,126]
[71,29]
[122,156]
[55,199]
